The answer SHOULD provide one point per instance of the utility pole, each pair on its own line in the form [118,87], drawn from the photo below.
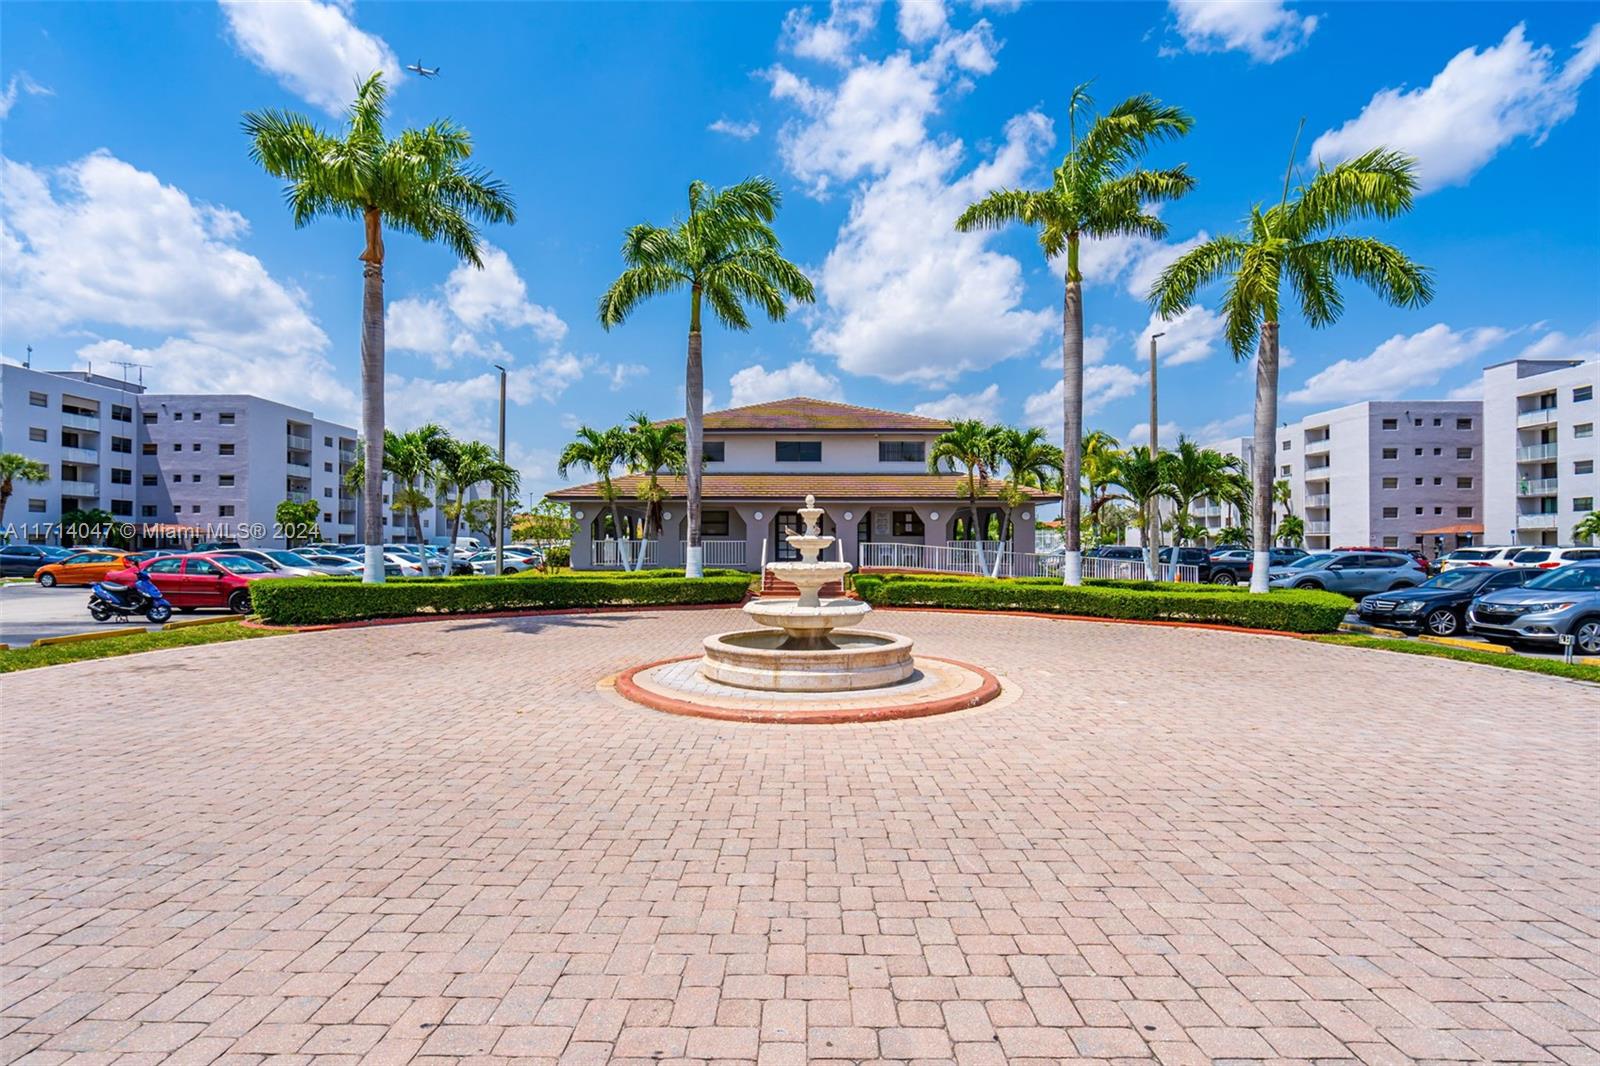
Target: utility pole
[499,494]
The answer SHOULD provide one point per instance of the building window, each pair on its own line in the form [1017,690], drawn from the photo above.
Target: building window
[1583,503]
[1391,482]
[224,449]
[120,476]
[1391,542]
[177,477]
[1391,512]
[197,416]
[1285,446]
[1463,423]
[1463,482]
[120,413]
[148,479]
[799,451]
[1419,510]
[1438,481]
[1440,422]
[1438,451]
[149,418]
[196,478]
[327,517]
[1463,453]
[1284,470]
[195,446]
[177,416]
[123,508]
[327,442]
[148,510]
[902,451]
[1438,510]
[1583,466]
[177,447]
[1417,422]
[122,444]
[715,451]
[194,508]
[1416,451]
[908,524]
[225,418]
[38,399]
[714,523]
[225,480]
[1583,429]
[1391,423]
[328,493]
[225,510]
[1582,393]
[36,506]
[37,435]
[147,448]
[1391,453]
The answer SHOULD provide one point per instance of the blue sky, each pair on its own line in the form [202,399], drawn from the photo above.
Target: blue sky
[135,226]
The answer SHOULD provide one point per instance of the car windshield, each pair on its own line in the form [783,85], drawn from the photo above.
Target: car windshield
[1568,579]
[1307,562]
[287,558]
[1532,557]
[1472,556]
[238,564]
[1455,579]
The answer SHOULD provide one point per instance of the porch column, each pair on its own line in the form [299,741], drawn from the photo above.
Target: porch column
[583,513]
[1024,528]
[935,517]
[755,531]
[847,518]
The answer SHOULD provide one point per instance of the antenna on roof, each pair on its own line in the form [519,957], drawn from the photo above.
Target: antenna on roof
[27,360]
[126,366]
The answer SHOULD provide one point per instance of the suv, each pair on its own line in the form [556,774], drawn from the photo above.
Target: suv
[1490,556]
[1233,567]
[1199,558]
[1550,558]
[1439,604]
[1557,603]
[1355,573]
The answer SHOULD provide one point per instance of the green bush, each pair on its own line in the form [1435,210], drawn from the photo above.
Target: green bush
[319,601]
[1291,611]
[558,555]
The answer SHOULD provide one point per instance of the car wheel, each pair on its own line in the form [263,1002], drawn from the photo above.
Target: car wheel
[239,602]
[1307,584]
[1586,635]
[1223,577]
[47,580]
[1443,622]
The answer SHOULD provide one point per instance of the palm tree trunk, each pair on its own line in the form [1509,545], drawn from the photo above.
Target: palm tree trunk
[975,532]
[1072,418]
[372,413]
[1264,461]
[422,549]
[5,498]
[624,550]
[1000,550]
[694,436]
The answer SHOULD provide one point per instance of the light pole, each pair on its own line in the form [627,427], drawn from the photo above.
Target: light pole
[499,494]
[1153,520]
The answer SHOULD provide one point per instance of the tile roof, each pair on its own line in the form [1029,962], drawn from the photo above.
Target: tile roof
[805,413]
[796,486]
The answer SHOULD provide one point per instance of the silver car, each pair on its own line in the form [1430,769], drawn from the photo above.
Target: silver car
[1561,602]
[1352,573]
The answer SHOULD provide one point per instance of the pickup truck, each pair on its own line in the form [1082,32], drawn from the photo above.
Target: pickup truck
[1233,567]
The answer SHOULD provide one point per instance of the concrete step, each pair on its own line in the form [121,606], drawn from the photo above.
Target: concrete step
[775,587]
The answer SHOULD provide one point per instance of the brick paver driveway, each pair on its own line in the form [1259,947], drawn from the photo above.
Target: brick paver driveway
[443,842]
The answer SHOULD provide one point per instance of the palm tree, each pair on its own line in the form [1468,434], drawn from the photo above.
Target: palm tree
[969,445]
[1283,494]
[416,459]
[600,451]
[726,254]
[15,467]
[1233,535]
[1588,527]
[463,467]
[1098,457]
[1196,474]
[654,448]
[1144,482]
[1292,530]
[1029,461]
[1096,192]
[1299,238]
[419,183]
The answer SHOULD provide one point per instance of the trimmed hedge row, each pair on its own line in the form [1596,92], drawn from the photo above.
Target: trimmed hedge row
[1290,611]
[320,601]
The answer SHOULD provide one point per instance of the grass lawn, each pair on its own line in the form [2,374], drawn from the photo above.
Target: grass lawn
[1553,667]
[55,654]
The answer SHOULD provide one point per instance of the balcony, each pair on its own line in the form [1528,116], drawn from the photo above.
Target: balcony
[1321,499]
[1537,521]
[72,421]
[300,470]
[1314,446]
[1539,416]
[1535,452]
[299,444]
[1317,527]
[79,488]
[80,455]
[1541,487]
[297,497]
[346,457]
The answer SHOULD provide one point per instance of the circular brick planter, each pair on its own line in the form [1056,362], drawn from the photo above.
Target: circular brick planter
[939,686]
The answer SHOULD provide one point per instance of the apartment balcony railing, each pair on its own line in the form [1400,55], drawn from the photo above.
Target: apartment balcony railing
[1318,499]
[78,488]
[1539,416]
[1314,446]
[346,457]
[297,497]
[72,421]
[1537,521]
[80,455]
[298,469]
[298,443]
[1545,486]
[1536,452]
[1317,527]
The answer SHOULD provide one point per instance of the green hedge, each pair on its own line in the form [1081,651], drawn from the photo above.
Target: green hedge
[1291,611]
[319,601]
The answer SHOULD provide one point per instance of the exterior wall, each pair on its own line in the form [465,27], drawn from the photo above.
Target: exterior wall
[1534,457]
[749,453]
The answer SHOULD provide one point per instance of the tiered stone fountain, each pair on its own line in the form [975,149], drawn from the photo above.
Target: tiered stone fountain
[800,650]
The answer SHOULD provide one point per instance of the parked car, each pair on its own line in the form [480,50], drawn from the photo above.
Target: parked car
[214,545]
[328,564]
[1549,558]
[1354,573]
[1480,556]
[153,553]
[190,582]
[1438,605]
[1233,567]
[267,558]
[1199,558]
[1109,551]
[437,562]
[515,563]
[1416,554]
[1561,602]
[80,568]
[24,560]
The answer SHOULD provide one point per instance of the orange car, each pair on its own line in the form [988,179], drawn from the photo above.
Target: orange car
[85,568]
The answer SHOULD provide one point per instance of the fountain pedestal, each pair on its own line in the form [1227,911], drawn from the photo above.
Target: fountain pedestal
[800,651]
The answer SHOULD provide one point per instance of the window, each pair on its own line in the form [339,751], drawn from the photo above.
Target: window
[120,476]
[1391,512]
[907,524]
[1583,503]
[177,477]
[36,506]
[177,416]
[1391,453]
[1440,422]
[1437,451]
[327,442]
[1416,481]
[224,449]
[1582,393]
[1583,429]
[225,510]
[122,508]
[1286,446]
[193,508]
[196,478]
[148,511]
[902,451]
[38,435]
[1463,482]
[147,448]
[225,418]
[1391,482]
[715,451]
[1583,466]
[327,468]
[1391,423]
[1416,451]
[1463,512]
[149,418]
[799,451]
[203,567]
[1419,510]
[1417,422]
[1284,470]
[1463,423]
[196,416]
[195,446]
[327,516]
[328,492]
[38,399]
[1438,510]
[225,480]
[1438,481]
[122,444]
[1391,542]
[1463,453]
[148,479]
[120,413]
[714,523]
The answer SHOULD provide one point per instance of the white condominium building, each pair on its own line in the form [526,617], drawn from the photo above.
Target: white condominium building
[1539,449]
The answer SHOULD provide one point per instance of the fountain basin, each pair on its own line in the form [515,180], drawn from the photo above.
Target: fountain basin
[807,626]
[764,659]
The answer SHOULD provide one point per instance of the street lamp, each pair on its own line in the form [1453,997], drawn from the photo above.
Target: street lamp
[499,493]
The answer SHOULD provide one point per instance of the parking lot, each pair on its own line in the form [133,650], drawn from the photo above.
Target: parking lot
[29,613]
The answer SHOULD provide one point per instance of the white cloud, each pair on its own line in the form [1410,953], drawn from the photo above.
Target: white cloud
[741,131]
[496,295]
[1266,30]
[833,39]
[1205,435]
[984,404]
[1557,345]
[921,20]
[757,384]
[1157,256]
[1399,364]
[312,48]
[19,84]
[1472,390]
[1190,337]
[1479,103]
[417,325]
[1139,435]
[100,246]
[1103,384]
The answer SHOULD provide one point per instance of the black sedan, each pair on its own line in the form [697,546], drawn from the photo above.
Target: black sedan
[21,560]
[1438,605]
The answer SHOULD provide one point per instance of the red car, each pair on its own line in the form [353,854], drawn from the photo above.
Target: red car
[190,582]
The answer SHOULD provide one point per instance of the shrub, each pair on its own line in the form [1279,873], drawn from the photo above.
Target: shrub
[319,601]
[557,556]
[1290,611]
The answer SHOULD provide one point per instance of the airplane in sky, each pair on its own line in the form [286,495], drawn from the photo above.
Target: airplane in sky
[426,72]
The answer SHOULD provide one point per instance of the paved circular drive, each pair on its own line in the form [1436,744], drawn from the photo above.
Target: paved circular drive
[444,842]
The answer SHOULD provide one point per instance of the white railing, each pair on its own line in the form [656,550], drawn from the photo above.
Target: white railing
[299,443]
[1537,521]
[1314,446]
[1317,527]
[1537,417]
[951,560]
[78,488]
[609,553]
[1540,487]
[1536,451]
[72,421]
[985,545]
[719,551]
[1319,499]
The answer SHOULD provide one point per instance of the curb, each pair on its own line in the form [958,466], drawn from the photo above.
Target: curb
[363,623]
[79,638]
[190,623]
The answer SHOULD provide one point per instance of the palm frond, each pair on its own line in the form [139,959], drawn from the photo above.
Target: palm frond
[1175,289]
[1380,183]
[634,286]
[1000,207]
[1127,131]
[1382,267]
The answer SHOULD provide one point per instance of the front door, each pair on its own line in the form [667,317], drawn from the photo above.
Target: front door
[785,523]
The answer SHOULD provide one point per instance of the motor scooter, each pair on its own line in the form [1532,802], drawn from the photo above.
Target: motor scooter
[107,599]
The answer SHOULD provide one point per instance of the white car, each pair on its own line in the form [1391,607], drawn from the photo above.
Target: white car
[1481,556]
[516,562]
[1550,558]
[393,566]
